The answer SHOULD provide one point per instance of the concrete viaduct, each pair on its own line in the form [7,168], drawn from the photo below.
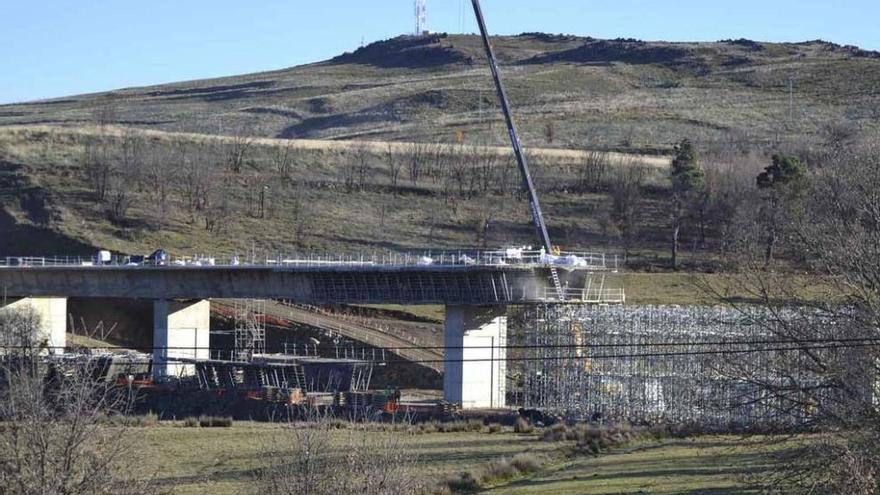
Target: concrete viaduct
[475,298]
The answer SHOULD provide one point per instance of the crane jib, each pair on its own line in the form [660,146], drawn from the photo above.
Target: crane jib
[528,185]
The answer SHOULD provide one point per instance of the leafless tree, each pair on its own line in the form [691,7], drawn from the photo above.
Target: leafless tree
[394,165]
[626,201]
[416,156]
[160,174]
[54,437]
[237,150]
[125,177]
[837,237]
[198,176]
[594,172]
[318,459]
[283,159]
[355,168]
[98,165]
[217,209]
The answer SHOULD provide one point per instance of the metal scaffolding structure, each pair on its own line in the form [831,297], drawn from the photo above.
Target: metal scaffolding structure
[250,328]
[715,367]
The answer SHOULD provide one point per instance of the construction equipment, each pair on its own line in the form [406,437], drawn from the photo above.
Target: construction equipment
[528,184]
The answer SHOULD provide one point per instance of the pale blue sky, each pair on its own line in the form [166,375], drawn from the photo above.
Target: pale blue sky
[51,48]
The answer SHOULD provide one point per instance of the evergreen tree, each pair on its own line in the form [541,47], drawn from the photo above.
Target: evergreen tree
[688,183]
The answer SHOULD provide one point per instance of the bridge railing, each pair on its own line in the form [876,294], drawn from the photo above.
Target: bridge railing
[566,259]
[586,296]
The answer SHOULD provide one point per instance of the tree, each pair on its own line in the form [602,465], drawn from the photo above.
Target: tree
[626,198]
[55,437]
[783,184]
[283,159]
[688,182]
[97,163]
[125,177]
[394,166]
[237,150]
[835,234]
[306,459]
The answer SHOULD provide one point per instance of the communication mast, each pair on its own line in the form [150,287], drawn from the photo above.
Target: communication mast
[421,18]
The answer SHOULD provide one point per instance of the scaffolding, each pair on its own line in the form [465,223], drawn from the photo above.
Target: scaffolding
[681,365]
[250,328]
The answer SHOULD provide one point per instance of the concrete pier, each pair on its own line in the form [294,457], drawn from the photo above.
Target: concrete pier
[181,329]
[475,368]
[53,319]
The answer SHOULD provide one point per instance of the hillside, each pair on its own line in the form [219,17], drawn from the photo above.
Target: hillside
[399,145]
[567,92]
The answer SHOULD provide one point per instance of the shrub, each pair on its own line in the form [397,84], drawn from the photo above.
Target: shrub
[461,426]
[215,422]
[191,422]
[523,425]
[495,428]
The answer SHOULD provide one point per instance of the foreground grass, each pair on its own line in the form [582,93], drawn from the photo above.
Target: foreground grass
[706,465]
[222,460]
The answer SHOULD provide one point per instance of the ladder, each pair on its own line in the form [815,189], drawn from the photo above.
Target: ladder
[554,275]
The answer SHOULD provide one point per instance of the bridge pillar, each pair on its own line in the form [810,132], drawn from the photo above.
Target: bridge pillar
[181,329]
[475,367]
[52,312]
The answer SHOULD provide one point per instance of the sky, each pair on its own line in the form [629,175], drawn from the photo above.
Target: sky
[53,48]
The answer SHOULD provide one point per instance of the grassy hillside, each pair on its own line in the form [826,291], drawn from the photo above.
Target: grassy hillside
[361,120]
[463,197]
[567,92]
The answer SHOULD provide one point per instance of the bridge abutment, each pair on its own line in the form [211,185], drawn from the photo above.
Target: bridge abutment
[52,312]
[181,329]
[475,353]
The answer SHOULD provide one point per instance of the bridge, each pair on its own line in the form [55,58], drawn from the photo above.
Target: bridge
[475,288]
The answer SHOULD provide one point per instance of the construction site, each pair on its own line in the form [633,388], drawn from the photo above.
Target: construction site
[537,328]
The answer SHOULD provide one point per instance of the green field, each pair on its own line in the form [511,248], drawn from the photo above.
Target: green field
[222,460]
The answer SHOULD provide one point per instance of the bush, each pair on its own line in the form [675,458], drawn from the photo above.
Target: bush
[461,426]
[191,422]
[523,425]
[215,422]
[464,482]
[495,428]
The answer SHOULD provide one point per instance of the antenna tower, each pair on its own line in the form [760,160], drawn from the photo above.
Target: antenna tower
[421,18]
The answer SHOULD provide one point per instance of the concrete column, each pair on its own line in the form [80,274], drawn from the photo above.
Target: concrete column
[181,329]
[475,368]
[53,319]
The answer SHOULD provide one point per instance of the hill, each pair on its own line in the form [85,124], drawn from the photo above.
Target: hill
[567,92]
[400,145]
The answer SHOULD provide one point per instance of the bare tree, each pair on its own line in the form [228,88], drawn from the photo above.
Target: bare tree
[394,165]
[125,178]
[54,437]
[416,154]
[160,174]
[626,200]
[237,150]
[594,171]
[356,168]
[283,159]
[831,383]
[98,165]
[318,459]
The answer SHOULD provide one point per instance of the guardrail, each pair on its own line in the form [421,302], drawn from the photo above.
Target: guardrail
[586,296]
[562,259]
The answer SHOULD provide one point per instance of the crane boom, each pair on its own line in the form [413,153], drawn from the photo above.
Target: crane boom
[528,185]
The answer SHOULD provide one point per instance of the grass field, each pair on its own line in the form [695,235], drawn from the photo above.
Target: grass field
[221,460]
